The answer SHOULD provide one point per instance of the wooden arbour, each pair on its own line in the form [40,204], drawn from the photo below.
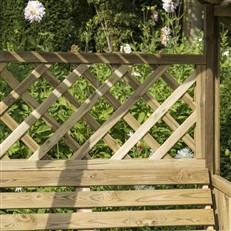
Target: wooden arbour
[194,182]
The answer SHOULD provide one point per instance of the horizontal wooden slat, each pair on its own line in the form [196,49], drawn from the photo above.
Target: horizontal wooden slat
[91,199]
[124,219]
[222,184]
[224,11]
[29,165]
[88,58]
[104,177]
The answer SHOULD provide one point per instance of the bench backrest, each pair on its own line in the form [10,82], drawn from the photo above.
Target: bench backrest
[121,194]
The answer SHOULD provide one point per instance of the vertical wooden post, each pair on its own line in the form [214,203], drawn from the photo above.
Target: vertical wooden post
[200,94]
[211,113]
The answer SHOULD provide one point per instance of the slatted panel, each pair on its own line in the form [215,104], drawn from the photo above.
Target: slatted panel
[124,219]
[128,203]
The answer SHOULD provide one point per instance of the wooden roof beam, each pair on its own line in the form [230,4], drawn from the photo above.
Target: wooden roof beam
[224,11]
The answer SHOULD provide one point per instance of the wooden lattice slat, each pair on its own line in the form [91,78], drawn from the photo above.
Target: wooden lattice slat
[121,111]
[83,109]
[41,109]
[131,121]
[171,141]
[158,114]
[22,87]
[9,78]
[167,118]
[75,105]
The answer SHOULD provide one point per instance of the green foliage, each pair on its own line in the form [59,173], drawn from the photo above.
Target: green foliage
[55,31]
[225,107]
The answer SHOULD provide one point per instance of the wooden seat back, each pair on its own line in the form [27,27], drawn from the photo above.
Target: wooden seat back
[122,194]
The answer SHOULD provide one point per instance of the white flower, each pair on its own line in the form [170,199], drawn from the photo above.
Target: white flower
[170,5]
[184,153]
[136,74]
[151,153]
[226,53]
[18,190]
[165,35]
[130,134]
[144,187]
[127,48]
[34,11]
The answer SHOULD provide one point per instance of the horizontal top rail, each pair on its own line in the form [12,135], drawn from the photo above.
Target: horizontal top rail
[89,58]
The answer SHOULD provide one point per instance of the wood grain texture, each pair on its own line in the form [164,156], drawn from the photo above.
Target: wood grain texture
[107,219]
[120,112]
[104,177]
[223,210]
[153,103]
[94,199]
[89,58]
[155,117]
[175,136]
[97,164]
[33,103]
[41,109]
[22,87]
[222,184]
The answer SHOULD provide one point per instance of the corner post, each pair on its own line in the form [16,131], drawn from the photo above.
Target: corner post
[212,83]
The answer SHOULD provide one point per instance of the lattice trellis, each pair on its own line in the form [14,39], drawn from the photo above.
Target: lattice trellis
[122,69]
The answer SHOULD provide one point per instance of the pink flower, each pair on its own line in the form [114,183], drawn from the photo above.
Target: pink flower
[154,14]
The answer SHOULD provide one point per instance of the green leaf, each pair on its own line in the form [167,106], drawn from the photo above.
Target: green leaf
[141,117]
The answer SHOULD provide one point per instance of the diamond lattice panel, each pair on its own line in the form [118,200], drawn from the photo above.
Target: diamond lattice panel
[96,111]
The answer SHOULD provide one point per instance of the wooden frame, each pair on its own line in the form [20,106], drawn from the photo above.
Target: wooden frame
[86,173]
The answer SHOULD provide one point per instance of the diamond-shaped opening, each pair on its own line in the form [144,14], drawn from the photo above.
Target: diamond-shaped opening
[101,150]
[102,110]
[140,72]
[40,90]
[180,111]
[160,131]
[120,132]
[19,151]
[141,110]
[5,89]
[81,131]
[102,71]
[40,131]
[5,131]
[60,151]
[61,70]
[81,90]
[61,110]
[19,111]
[181,72]
[20,70]
[160,91]
[121,90]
